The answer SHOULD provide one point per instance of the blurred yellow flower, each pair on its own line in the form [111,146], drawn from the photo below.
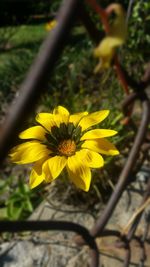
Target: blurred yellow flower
[116,37]
[51,25]
[62,140]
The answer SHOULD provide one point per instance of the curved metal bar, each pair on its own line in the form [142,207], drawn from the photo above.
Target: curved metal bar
[102,221]
[38,76]
[128,101]
[109,232]
[127,257]
[18,226]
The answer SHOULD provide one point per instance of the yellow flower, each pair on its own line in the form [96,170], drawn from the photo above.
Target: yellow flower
[116,37]
[51,25]
[62,140]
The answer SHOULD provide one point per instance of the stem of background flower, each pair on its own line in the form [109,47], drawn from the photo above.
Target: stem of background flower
[124,84]
[121,78]
[101,12]
[121,75]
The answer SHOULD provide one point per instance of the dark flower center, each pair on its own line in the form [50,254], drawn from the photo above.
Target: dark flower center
[64,140]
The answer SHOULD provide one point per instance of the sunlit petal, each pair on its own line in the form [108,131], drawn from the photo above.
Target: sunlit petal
[56,165]
[35,132]
[75,118]
[35,179]
[37,176]
[79,173]
[61,115]
[91,159]
[28,152]
[102,146]
[46,120]
[98,133]
[61,111]
[93,118]
[47,172]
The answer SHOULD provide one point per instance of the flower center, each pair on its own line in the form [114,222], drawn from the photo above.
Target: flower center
[67,147]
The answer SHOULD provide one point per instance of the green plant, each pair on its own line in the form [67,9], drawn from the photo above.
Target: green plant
[16,202]
[19,202]
[136,51]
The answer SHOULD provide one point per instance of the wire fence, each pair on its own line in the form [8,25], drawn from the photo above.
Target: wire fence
[30,92]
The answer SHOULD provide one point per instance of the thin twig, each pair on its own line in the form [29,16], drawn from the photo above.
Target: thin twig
[139,210]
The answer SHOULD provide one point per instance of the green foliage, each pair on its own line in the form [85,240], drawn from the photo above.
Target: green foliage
[139,27]
[136,50]
[55,5]
[19,202]
[16,202]
[17,56]
[5,35]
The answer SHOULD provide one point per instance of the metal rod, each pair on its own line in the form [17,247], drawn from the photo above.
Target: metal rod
[38,76]
[103,219]
[127,257]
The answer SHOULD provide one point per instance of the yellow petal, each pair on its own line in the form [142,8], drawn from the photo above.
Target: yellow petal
[116,37]
[79,173]
[28,152]
[46,120]
[35,179]
[107,44]
[61,111]
[102,146]
[75,118]
[56,165]
[37,176]
[105,51]
[98,133]
[47,173]
[35,132]
[51,25]
[119,26]
[61,119]
[91,159]
[61,115]
[93,118]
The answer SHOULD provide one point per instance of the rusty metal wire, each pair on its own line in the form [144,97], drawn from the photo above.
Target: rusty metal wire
[30,92]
